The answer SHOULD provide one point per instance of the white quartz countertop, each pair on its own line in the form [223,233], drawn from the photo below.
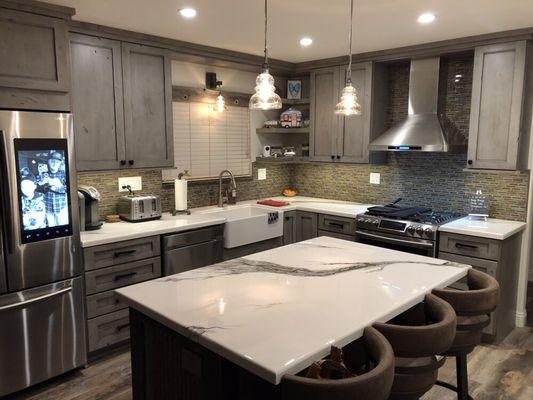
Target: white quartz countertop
[492,228]
[275,312]
[119,231]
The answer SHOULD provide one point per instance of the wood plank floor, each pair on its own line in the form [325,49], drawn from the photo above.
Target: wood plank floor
[503,372]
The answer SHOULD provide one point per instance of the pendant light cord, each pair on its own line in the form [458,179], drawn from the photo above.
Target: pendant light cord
[349,71]
[266,32]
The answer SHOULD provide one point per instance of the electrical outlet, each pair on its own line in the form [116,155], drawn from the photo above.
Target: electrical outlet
[261,174]
[135,182]
[375,178]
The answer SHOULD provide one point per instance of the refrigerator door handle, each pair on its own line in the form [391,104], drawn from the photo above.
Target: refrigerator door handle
[4,195]
[24,303]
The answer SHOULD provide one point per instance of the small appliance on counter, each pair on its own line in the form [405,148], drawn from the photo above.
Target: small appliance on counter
[88,201]
[136,208]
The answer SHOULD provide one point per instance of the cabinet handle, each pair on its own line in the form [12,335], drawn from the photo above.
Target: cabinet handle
[124,253]
[120,327]
[338,157]
[470,162]
[465,246]
[122,276]
[336,225]
[122,162]
[131,162]
[332,157]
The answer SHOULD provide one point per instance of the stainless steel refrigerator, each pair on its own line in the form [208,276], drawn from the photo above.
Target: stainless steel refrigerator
[42,331]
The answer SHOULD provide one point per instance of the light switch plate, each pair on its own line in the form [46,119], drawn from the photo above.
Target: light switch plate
[135,182]
[375,178]
[261,174]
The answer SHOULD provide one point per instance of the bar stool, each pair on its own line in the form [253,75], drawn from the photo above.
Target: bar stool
[417,337]
[473,308]
[373,384]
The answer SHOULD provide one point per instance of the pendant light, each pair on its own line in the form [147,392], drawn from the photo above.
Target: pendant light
[349,104]
[265,97]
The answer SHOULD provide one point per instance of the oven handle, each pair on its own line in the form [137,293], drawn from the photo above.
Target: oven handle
[392,240]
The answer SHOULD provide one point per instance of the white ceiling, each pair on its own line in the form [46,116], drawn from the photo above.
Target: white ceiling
[238,24]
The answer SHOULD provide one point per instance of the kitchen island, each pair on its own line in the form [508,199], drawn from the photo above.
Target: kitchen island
[234,329]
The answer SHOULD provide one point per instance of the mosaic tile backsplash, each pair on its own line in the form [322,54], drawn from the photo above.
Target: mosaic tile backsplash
[437,180]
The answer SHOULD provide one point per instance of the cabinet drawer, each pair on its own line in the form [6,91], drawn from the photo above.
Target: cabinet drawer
[108,329]
[122,275]
[336,224]
[192,237]
[336,235]
[103,303]
[121,252]
[470,246]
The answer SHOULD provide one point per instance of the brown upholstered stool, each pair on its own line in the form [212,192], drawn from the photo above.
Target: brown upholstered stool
[417,338]
[373,384]
[473,308]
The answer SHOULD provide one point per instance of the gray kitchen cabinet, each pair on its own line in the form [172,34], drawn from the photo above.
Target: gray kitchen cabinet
[498,258]
[306,225]
[289,227]
[97,102]
[500,116]
[346,139]
[34,72]
[147,106]
[325,125]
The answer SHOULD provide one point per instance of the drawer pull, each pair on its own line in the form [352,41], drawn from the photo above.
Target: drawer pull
[122,276]
[124,253]
[465,246]
[336,224]
[123,326]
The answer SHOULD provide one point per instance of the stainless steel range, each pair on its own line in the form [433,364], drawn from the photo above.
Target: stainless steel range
[410,229]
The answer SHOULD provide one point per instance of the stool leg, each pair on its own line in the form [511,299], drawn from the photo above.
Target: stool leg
[462,377]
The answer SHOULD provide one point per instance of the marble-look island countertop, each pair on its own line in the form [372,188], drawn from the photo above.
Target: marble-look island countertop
[277,311]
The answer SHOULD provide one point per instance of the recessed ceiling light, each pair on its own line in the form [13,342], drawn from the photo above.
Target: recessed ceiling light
[188,12]
[426,18]
[306,41]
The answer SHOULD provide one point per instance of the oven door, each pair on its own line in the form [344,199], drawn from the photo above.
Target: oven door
[395,242]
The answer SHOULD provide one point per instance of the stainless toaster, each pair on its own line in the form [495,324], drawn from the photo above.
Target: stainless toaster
[134,208]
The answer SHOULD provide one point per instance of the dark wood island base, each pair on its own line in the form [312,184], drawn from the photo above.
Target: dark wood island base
[168,366]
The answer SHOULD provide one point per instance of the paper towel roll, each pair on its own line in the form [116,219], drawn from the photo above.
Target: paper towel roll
[180,194]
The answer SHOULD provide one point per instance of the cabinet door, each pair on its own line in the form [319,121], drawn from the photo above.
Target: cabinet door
[289,227]
[497,98]
[325,125]
[306,225]
[97,102]
[33,50]
[352,144]
[147,106]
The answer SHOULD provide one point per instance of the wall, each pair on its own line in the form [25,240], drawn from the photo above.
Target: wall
[202,193]
[437,180]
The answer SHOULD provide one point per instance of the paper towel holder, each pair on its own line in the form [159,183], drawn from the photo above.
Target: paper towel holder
[175,212]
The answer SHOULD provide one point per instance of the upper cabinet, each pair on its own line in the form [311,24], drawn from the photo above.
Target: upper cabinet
[147,106]
[345,139]
[34,72]
[121,95]
[500,118]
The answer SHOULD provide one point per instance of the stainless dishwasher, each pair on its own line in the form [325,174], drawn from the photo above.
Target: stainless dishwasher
[192,249]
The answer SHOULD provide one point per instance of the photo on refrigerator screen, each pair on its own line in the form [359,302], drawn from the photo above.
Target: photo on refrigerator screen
[43,190]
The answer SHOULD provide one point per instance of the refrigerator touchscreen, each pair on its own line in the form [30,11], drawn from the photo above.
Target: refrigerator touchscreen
[43,189]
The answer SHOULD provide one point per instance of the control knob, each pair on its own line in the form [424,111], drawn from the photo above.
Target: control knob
[411,229]
[375,222]
[428,232]
[420,230]
[368,221]
[361,220]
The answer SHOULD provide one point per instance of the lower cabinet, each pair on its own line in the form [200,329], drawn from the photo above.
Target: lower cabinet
[497,258]
[289,227]
[306,225]
[109,267]
[303,225]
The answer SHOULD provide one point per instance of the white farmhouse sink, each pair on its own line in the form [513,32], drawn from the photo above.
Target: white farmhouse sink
[248,224]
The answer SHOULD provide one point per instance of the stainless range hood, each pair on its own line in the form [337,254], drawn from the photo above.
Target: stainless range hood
[422,130]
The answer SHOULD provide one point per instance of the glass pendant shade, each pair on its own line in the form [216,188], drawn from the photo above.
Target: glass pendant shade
[265,96]
[349,104]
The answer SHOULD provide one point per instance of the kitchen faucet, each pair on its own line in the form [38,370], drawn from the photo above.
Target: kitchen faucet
[231,194]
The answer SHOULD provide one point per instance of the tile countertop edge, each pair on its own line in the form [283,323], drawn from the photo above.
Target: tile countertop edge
[498,229]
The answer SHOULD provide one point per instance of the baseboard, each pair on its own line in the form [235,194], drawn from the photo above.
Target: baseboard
[520,319]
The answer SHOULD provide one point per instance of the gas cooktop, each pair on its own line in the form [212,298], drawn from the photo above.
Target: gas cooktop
[421,215]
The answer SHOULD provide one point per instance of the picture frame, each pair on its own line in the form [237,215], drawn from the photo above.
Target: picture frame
[294,89]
